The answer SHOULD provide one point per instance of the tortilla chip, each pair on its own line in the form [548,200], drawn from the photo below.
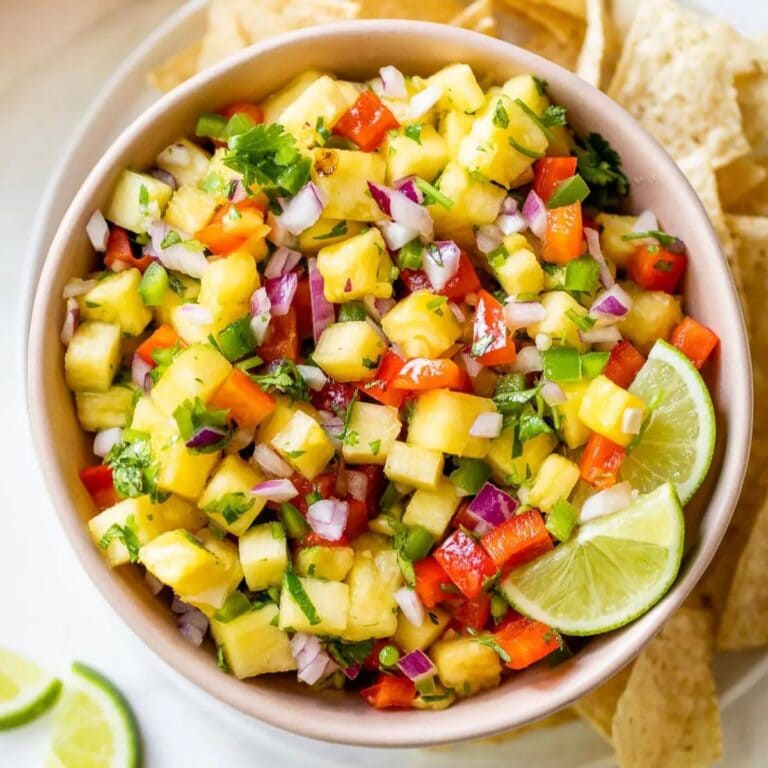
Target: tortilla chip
[544,44]
[562,26]
[599,706]
[756,203]
[687,99]
[752,92]
[575,8]
[440,11]
[737,179]
[478,17]
[551,721]
[176,69]
[658,709]
[597,41]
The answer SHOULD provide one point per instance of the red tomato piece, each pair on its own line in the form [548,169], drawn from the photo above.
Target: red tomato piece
[463,282]
[564,238]
[380,386]
[366,122]
[465,562]
[119,249]
[549,172]
[492,343]
[357,522]
[282,341]
[303,306]
[99,484]
[517,540]
[601,461]
[334,397]
[654,268]
[430,581]
[623,364]
[390,692]
[470,613]
[375,475]
[526,641]
[694,340]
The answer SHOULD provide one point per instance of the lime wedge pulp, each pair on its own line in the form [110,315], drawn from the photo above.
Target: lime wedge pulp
[26,690]
[94,726]
[678,443]
[613,570]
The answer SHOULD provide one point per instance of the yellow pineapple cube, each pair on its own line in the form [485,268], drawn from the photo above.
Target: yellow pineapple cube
[422,325]
[603,406]
[442,419]
[372,608]
[349,351]
[305,445]
[215,594]
[413,465]
[138,199]
[515,471]
[218,177]
[466,665]
[279,418]
[573,431]
[330,600]
[190,209]
[525,88]
[92,357]
[252,644]
[182,471]
[613,245]
[103,410]
[653,316]
[459,88]
[518,270]
[410,638]
[371,542]
[276,103]
[264,555]
[433,509]
[424,156]
[454,126]
[229,281]
[327,232]
[557,324]
[190,289]
[555,480]
[376,428]
[185,161]
[354,268]
[148,418]
[116,299]
[329,563]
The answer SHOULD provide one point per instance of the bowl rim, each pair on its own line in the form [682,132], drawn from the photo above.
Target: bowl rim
[401,729]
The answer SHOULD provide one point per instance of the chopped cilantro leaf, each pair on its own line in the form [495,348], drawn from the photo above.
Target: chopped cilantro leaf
[554,116]
[299,596]
[163,357]
[170,239]
[134,470]
[231,506]
[375,446]
[600,166]
[192,416]
[338,229]
[524,150]
[662,238]
[286,378]
[323,134]
[500,116]
[582,322]
[126,534]
[413,132]
[433,195]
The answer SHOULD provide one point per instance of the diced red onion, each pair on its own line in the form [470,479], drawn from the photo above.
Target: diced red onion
[607,501]
[77,287]
[71,321]
[197,314]
[382,197]
[612,304]
[282,261]
[154,584]
[470,363]
[509,205]
[488,238]
[304,209]
[543,341]
[521,314]
[241,439]
[323,313]
[281,291]
[441,262]
[106,438]
[399,207]
[416,666]
[423,101]
[396,235]
[377,308]
[352,672]
[596,252]
[646,222]
[178,256]
[275,490]
[179,606]
[328,518]
[357,484]
[237,191]
[512,223]
[528,360]
[333,427]
[535,213]
[552,393]
[408,186]
[205,437]
[411,606]
[261,311]
[193,625]
[312,660]
[486,425]
[393,83]
[313,376]
[165,177]
[608,334]
[140,370]
[278,234]
[316,670]
[492,505]
[98,231]
[632,421]
[270,462]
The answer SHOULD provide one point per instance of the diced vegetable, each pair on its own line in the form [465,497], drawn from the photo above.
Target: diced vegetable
[624,364]
[603,406]
[555,480]
[264,555]
[422,325]
[694,340]
[349,351]
[526,641]
[466,563]
[601,461]
[517,540]
[432,509]
[366,122]
[413,465]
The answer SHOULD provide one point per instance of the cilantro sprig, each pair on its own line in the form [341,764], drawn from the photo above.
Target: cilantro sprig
[231,506]
[600,166]
[134,469]
[124,533]
[286,378]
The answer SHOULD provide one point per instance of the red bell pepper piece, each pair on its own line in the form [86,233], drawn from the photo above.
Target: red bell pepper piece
[247,108]
[247,403]
[470,613]
[654,268]
[517,540]
[549,172]
[119,249]
[623,364]
[323,485]
[357,521]
[421,374]
[564,238]
[375,475]
[221,237]
[390,692]
[694,340]
[463,282]
[303,306]
[430,581]
[99,484]
[164,337]
[601,461]
[526,641]
[282,342]
[465,562]
[492,343]
[366,122]
[380,386]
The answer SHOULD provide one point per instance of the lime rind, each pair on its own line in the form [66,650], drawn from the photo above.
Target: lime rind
[26,690]
[614,570]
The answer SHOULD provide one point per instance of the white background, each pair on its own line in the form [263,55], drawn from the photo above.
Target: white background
[55,57]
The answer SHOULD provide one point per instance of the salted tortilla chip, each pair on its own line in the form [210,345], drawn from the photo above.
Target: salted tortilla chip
[599,706]
[658,708]
[576,8]
[675,77]
[478,17]
[752,92]
[564,27]
[597,41]
[565,54]
[440,11]
[176,69]
[756,202]
[737,179]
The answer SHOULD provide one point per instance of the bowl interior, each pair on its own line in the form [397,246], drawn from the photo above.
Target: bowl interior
[357,50]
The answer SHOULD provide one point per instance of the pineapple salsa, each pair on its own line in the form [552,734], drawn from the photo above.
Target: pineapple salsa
[384,389]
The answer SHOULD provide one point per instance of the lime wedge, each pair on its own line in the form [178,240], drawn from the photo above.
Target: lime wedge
[26,691]
[611,572]
[93,726]
[677,444]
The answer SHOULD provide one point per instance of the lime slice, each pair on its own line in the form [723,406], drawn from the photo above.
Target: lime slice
[679,440]
[611,572]
[94,726]
[26,691]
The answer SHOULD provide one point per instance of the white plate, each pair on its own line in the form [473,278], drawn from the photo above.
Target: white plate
[124,97]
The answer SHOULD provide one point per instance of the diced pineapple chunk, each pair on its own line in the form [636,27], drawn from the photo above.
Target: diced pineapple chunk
[264,556]
[233,476]
[190,289]
[279,418]
[525,88]
[357,267]
[103,410]
[343,177]
[330,563]
[218,176]
[557,324]
[182,471]
[215,594]
[614,227]
[229,281]
[137,200]
[555,480]
[349,351]
[116,299]
[475,202]
[454,126]
[422,325]
[376,428]
[330,600]
[519,272]
[190,209]
[92,357]
[573,431]
[327,232]
[253,645]
[466,665]
[653,316]
[276,103]
[145,519]
[388,565]
[603,406]
[407,156]
[147,417]
[515,471]
[375,543]
[410,638]
[304,444]
[442,419]
[197,372]
[433,509]
[185,161]
[414,466]
[459,88]
[372,608]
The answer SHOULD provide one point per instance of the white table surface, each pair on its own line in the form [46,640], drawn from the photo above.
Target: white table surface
[56,56]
